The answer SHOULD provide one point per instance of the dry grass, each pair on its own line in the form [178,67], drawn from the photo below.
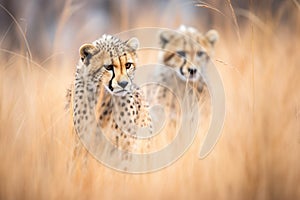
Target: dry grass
[256,157]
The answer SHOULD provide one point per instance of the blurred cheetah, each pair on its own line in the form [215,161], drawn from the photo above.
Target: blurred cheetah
[187,52]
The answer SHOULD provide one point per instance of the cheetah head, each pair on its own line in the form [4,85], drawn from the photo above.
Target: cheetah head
[187,51]
[111,62]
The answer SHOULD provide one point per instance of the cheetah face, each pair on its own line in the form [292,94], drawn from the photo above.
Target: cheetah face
[111,62]
[187,51]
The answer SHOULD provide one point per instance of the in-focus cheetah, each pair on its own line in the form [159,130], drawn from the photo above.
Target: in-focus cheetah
[103,99]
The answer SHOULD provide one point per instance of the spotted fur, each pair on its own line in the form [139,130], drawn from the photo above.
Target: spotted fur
[103,94]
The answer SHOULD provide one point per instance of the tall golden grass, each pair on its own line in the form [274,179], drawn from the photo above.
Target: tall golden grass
[255,158]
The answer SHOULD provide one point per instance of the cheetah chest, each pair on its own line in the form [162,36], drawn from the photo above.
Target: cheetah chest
[120,117]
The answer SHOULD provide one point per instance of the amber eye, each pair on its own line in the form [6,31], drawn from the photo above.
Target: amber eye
[128,65]
[109,67]
[181,53]
[200,53]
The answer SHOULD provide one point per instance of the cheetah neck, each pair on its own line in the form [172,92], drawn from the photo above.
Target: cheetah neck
[84,98]
[97,114]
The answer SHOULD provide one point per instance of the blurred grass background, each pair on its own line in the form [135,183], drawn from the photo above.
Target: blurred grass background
[257,57]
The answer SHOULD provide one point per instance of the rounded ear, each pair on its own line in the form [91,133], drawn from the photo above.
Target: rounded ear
[165,37]
[133,43]
[86,50]
[212,36]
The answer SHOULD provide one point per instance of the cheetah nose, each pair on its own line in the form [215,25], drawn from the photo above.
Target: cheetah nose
[123,84]
[192,71]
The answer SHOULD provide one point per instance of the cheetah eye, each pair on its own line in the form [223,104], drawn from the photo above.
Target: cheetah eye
[200,53]
[181,53]
[128,65]
[109,67]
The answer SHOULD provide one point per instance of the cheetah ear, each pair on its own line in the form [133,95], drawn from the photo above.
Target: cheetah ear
[86,50]
[165,37]
[212,36]
[133,43]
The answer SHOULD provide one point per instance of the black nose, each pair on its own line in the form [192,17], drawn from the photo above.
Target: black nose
[123,84]
[192,71]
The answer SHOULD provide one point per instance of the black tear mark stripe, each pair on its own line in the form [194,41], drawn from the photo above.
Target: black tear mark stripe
[184,62]
[181,67]
[110,82]
[113,76]
[181,70]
